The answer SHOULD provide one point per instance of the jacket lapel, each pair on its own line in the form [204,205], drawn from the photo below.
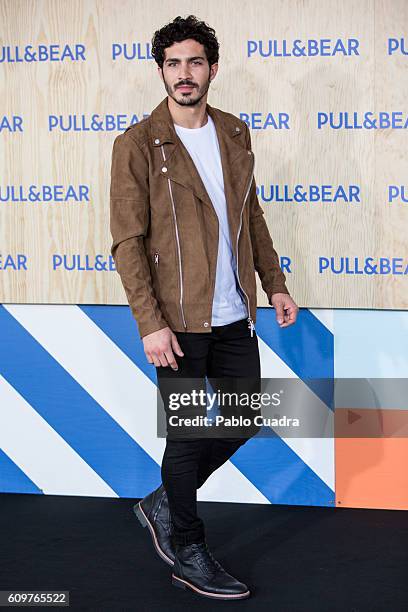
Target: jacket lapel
[236,162]
[236,167]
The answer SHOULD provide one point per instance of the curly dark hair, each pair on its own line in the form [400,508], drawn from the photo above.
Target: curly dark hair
[180,29]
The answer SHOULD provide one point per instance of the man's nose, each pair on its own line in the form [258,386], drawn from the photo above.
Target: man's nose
[185,72]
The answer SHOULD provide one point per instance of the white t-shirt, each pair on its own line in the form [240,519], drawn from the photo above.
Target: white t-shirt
[229,303]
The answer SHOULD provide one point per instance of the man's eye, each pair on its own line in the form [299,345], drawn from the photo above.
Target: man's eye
[194,62]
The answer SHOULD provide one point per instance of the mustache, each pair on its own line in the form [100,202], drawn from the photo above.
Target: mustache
[184,85]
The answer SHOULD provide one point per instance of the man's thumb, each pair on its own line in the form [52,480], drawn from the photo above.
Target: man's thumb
[279,312]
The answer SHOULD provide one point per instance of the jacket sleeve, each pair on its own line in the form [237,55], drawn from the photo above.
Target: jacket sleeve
[129,219]
[266,260]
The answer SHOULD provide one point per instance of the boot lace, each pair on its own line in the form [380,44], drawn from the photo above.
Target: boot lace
[206,560]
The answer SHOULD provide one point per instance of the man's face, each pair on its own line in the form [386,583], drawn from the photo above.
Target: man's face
[186,73]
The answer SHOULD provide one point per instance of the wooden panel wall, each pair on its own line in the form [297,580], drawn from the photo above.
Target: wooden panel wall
[362,67]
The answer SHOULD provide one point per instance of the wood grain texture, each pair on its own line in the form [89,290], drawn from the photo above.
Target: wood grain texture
[372,159]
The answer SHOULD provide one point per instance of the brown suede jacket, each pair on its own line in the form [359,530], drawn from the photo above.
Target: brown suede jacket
[165,229]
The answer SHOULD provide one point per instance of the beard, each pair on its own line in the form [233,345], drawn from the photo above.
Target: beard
[192,98]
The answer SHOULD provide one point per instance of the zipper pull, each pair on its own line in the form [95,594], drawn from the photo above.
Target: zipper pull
[156,258]
[251,326]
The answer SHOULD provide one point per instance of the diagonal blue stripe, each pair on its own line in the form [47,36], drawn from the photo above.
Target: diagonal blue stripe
[13,479]
[73,413]
[118,323]
[280,474]
[307,347]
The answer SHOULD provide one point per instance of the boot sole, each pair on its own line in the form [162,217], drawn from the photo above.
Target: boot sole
[183,584]
[144,521]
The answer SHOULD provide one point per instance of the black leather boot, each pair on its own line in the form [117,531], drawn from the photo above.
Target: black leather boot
[153,512]
[195,568]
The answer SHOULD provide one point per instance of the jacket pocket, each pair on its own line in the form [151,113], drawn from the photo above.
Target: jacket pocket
[155,259]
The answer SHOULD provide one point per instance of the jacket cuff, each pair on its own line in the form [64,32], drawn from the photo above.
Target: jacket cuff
[277,289]
[149,325]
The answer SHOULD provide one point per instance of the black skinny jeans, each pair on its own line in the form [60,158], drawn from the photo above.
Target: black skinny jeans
[227,351]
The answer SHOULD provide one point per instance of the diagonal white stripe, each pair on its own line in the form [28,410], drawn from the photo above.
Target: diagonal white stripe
[317,453]
[98,365]
[226,484]
[111,378]
[272,366]
[325,316]
[41,453]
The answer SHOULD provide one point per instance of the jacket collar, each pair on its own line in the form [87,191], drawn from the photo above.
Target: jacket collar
[163,125]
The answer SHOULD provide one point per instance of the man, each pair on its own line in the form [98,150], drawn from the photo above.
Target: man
[188,234]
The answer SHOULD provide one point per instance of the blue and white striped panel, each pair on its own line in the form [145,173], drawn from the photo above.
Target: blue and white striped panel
[77,409]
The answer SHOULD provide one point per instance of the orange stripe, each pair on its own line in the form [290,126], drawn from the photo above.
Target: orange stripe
[371,472]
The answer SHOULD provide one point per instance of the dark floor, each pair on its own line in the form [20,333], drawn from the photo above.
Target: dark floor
[293,558]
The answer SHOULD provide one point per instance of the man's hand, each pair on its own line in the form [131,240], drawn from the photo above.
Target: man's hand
[286,309]
[159,346]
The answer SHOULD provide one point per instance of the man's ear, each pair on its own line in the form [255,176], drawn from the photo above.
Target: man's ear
[213,71]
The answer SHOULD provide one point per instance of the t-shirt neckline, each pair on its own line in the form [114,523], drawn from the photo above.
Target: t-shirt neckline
[194,130]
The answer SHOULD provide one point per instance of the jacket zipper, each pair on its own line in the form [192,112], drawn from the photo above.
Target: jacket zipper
[178,245]
[156,258]
[251,325]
